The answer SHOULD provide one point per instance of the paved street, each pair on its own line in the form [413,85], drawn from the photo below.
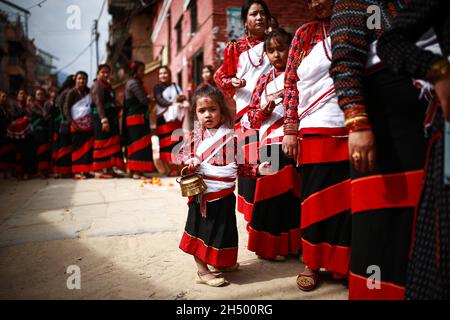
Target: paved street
[124,236]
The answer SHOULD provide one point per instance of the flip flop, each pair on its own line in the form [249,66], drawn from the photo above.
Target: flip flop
[215,282]
[224,269]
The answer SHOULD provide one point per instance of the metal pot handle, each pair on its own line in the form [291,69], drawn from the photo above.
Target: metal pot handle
[182,175]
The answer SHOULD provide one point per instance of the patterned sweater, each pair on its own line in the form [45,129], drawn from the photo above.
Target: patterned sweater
[397,46]
[350,40]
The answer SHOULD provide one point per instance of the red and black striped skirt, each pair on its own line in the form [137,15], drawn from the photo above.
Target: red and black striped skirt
[325,209]
[274,228]
[167,138]
[82,150]
[107,152]
[213,239]
[384,201]
[139,144]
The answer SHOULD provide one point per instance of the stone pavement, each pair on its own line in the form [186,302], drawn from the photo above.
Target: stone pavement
[124,236]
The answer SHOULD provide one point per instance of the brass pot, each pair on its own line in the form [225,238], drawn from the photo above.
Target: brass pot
[191,184]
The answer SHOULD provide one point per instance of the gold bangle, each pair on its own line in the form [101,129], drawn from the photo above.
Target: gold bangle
[354,119]
[439,70]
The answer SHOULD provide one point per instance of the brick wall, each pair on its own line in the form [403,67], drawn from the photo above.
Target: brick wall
[212,31]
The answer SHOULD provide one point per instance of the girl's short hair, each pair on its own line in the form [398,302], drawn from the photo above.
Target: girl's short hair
[278,33]
[103,66]
[205,90]
[246,7]
[135,66]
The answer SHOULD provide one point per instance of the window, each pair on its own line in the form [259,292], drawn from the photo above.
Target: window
[198,67]
[179,35]
[180,79]
[194,22]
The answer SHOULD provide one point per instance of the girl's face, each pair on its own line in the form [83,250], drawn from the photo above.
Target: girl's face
[29,99]
[81,81]
[163,75]
[21,95]
[206,75]
[278,50]
[3,98]
[39,96]
[321,8]
[256,23]
[208,112]
[103,74]
[140,72]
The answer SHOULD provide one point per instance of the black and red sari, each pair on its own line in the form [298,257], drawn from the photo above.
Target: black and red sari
[136,128]
[62,140]
[243,59]
[107,145]
[82,135]
[40,119]
[313,114]
[274,225]
[169,119]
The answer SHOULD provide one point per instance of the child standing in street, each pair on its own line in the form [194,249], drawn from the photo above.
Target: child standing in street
[211,234]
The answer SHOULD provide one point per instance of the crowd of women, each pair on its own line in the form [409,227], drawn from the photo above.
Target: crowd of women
[81,132]
[338,149]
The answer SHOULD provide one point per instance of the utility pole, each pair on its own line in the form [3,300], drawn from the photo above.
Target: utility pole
[96,37]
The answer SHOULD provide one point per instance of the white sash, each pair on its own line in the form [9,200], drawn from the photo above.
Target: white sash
[277,114]
[81,108]
[318,104]
[172,112]
[209,170]
[245,70]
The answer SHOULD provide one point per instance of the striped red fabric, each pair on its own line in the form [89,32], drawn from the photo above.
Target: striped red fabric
[334,258]
[326,203]
[359,289]
[270,186]
[216,257]
[386,191]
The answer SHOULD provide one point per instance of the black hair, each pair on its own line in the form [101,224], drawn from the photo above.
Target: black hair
[278,33]
[205,90]
[246,7]
[81,73]
[103,66]
[68,83]
[135,66]
[209,67]
[168,70]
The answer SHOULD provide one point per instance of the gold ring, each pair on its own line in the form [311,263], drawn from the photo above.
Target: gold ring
[356,156]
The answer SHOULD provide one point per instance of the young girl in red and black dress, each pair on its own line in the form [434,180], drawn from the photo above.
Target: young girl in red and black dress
[211,233]
[244,61]
[107,148]
[274,228]
[40,118]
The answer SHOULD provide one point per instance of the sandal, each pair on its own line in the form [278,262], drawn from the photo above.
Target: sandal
[307,282]
[215,282]
[224,269]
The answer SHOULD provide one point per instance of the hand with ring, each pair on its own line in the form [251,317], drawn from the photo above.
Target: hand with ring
[362,150]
